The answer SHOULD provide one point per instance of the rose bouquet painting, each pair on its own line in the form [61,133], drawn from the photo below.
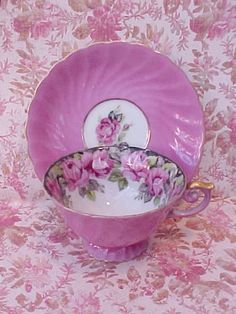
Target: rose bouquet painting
[112,129]
[88,172]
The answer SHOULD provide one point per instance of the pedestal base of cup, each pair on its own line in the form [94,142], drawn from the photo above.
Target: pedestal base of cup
[119,254]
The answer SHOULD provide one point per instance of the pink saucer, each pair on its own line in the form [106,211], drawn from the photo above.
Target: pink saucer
[113,92]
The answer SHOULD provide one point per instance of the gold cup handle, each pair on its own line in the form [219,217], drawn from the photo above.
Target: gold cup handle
[200,185]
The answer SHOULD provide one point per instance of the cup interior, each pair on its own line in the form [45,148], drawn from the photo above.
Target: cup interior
[114,181]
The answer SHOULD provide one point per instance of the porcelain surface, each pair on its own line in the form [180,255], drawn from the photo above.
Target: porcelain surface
[189,266]
[115,121]
[115,197]
[117,70]
[115,181]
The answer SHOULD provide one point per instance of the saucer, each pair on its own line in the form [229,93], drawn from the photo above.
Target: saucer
[110,93]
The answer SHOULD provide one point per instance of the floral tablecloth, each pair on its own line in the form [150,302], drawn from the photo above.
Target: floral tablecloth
[190,265]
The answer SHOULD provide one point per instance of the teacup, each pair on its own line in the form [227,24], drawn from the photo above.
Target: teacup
[115,197]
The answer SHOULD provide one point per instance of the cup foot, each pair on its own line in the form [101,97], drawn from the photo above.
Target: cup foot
[119,254]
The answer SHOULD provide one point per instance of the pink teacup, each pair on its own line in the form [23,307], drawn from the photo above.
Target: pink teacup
[115,197]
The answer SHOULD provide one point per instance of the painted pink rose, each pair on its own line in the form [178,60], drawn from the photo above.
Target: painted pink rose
[41,29]
[59,235]
[75,173]
[215,24]
[15,310]
[104,24]
[135,165]
[8,215]
[155,180]
[218,29]
[101,164]
[200,24]
[225,20]
[32,273]
[107,131]
[219,219]
[180,265]
[3,4]
[22,24]
[54,188]
[171,6]
[8,221]
[87,159]
[34,25]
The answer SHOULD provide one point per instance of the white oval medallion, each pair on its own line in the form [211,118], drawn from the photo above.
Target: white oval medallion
[114,121]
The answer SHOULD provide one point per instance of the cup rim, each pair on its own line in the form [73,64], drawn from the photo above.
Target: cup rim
[95,148]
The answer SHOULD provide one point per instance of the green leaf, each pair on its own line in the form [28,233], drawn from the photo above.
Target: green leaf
[57,169]
[121,137]
[77,156]
[156,200]
[168,166]
[179,180]
[116,163]
[122,183]
[152,161]
[115,176]
[91,195]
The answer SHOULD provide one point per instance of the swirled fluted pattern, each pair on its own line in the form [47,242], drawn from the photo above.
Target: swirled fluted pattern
[115,70]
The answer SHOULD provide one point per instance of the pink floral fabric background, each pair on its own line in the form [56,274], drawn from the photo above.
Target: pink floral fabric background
[190,265]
